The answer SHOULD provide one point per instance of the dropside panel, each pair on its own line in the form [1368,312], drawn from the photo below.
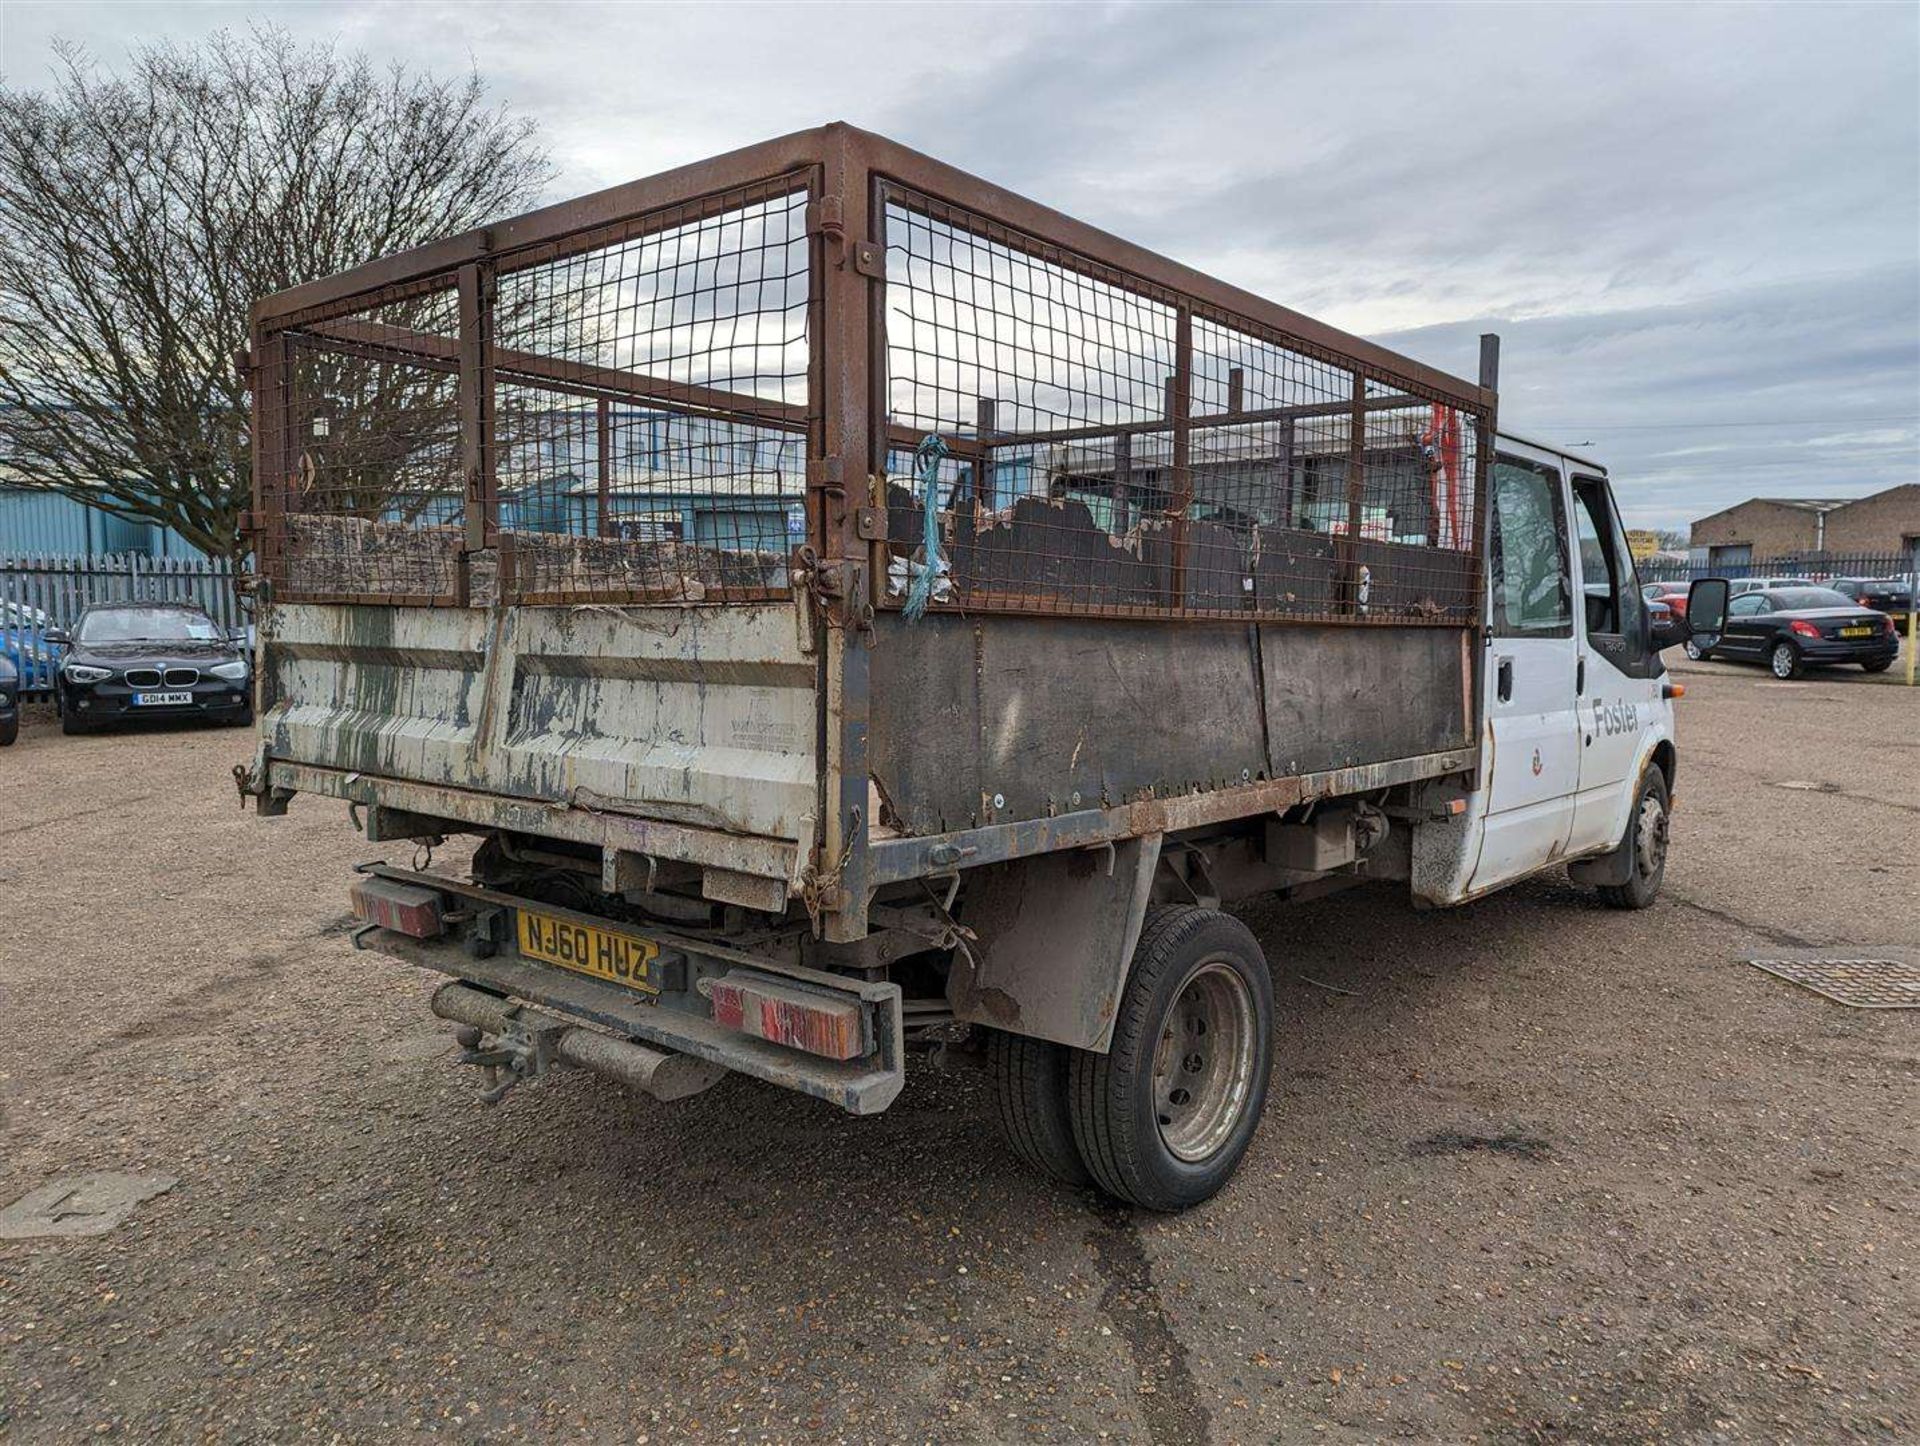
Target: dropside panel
[699,716]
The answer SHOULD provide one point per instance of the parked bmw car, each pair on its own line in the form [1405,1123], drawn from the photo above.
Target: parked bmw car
[9,702]
[1791,629]
[150,660]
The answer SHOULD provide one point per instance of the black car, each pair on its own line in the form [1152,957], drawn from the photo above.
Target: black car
[1793,628]
[1887,595]
[150,660]
[9,701]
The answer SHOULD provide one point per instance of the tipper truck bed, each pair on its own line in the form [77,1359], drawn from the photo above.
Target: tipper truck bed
[856,609]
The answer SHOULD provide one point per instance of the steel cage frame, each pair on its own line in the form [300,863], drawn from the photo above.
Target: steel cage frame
[851,177]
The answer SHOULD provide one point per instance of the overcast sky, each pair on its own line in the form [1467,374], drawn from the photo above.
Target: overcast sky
[1697,228]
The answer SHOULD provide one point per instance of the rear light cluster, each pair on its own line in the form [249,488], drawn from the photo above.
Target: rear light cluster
[788,1014]
[1803,628]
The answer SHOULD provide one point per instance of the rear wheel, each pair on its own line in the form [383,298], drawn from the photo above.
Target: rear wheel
[1785,661]
[1647,831]
[1164,1117]
[1693,650]
[1878,666]
[1030,1091]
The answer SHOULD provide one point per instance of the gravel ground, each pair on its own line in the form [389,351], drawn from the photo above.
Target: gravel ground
[1532,1170]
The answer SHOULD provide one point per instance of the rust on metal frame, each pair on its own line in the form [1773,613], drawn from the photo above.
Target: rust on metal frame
[849,176]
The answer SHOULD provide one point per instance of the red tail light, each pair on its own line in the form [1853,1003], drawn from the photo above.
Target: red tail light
[787,1014]
[1803,628]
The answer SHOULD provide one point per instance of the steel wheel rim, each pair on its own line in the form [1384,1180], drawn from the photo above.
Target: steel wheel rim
[1783,661]
[1650,837]
[1203,1064]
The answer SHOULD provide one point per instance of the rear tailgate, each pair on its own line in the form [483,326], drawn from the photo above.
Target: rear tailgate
[698,716]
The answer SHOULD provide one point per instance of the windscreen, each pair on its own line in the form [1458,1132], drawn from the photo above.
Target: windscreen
[148,625]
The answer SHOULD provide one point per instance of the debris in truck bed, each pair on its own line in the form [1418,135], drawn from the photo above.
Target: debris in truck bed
[358,556]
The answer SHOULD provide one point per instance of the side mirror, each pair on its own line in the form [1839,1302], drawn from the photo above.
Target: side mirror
[1707,605]
[59,637]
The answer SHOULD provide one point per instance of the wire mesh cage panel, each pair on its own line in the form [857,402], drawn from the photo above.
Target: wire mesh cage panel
[651,406]
[1114,447]
[361,414]
[633,398]
[618,415]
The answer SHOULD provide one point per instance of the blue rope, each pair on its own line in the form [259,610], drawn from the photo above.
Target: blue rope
[927,458]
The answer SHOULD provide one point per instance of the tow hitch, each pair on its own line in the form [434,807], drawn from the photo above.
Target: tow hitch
[512,1042]
[522,1051]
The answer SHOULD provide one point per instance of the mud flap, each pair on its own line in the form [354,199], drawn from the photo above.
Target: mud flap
[1055,936]
[1610,869]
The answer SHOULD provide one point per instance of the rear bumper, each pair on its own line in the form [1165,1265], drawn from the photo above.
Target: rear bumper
[1864,650]
[678,1019]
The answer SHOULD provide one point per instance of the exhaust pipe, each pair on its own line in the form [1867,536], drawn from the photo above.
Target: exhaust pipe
[660,1073]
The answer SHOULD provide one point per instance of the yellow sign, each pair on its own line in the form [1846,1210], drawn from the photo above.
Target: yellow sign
[1642,544]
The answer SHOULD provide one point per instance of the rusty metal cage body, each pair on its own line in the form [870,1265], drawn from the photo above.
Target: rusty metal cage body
[709,387]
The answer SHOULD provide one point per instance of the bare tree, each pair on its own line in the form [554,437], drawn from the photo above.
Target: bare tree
[141,214]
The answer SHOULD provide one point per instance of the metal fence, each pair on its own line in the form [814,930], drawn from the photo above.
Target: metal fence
[829,361]
[1815,567]
[39,593]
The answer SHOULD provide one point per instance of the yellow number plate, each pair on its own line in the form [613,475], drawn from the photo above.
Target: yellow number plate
[1856,632]
[620,958]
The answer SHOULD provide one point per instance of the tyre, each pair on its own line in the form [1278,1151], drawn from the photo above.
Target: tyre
[72,726]
[1880,666]
[1693,650]
[1164,1117]
[1030,1093]
[1647,826]
[9,730]
[1785,661]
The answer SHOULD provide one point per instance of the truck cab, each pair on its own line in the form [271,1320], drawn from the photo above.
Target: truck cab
[1577,700]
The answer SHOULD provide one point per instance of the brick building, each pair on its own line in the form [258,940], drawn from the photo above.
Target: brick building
[1885,523]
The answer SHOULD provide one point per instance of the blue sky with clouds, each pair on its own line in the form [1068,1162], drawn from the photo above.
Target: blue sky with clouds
[1697,228]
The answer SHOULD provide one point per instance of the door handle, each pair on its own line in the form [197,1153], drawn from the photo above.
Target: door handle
[1504,684]
[1580,678]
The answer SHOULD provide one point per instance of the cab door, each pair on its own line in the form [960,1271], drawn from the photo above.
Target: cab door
[1534,765]
[1617,675]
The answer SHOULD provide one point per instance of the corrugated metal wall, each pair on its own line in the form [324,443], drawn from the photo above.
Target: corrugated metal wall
[46,524]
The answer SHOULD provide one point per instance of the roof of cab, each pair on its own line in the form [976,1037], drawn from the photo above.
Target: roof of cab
[1584,461]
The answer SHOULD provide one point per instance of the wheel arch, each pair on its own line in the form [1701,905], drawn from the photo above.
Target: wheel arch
[1667,759]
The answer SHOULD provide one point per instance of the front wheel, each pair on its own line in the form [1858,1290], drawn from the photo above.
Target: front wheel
[1785,661]
[1164,1117]
[1693,650]
[9,730]
[1647,829]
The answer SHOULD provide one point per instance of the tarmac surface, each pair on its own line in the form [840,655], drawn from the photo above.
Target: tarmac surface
[1533,1170]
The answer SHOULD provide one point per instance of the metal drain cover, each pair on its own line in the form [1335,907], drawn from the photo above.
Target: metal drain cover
[1858,983]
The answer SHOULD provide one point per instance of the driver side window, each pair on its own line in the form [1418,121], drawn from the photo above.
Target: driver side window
[1527,553]
[1747,604]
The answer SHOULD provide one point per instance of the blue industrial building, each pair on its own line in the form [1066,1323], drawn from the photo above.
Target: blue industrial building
[48,524]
